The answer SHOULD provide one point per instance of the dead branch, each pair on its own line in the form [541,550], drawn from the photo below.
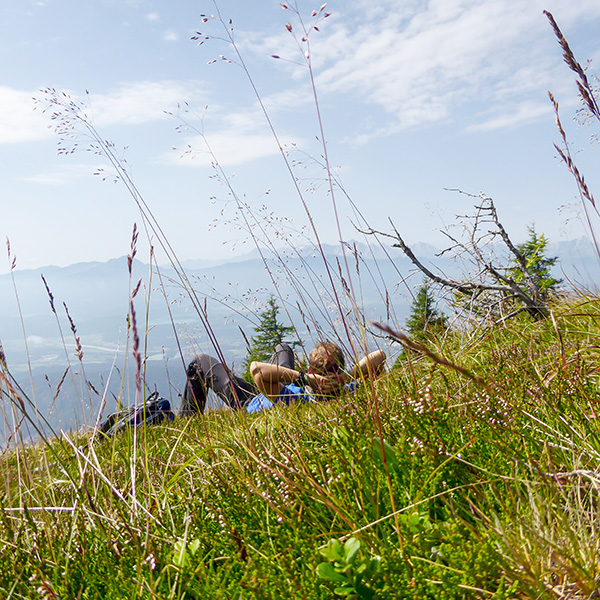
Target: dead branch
[492,278]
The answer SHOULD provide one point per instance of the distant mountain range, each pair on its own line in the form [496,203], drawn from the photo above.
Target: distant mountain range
[171,331]
[374,251]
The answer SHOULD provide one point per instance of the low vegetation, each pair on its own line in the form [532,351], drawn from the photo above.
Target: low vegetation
[439,485]
[469,470]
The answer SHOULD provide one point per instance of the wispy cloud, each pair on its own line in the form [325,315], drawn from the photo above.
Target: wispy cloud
[170,35]
[130,104]
[423,62]
[228,147]
[36,340]
[61,174]
[153,16]
[515,116]
[242,134]
[145,101]
[18,120]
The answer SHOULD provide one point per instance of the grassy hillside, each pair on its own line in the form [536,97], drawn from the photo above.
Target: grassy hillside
[436,483]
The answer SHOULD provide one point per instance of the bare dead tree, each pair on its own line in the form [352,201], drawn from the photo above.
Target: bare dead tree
[501,276]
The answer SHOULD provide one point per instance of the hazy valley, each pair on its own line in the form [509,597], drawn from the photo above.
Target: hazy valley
[97,298]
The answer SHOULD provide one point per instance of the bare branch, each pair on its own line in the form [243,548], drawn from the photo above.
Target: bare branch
[492,284]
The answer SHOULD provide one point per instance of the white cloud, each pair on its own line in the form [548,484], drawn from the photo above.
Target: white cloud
[153,16]
[144,101]
[288,100]
[422,62]
[520,114]
[170,36]
[19,122]
[243,135]
[131,104]
[420,69]
[228,148]
[60,175]
[36,340]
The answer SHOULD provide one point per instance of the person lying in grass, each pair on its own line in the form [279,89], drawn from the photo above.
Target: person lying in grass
[277,380]
[206,372]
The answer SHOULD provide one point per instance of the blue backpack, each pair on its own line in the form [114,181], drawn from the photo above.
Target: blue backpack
[154,410]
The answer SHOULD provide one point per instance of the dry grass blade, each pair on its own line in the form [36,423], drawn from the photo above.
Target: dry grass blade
[422,349]
[585,89]
[565,155]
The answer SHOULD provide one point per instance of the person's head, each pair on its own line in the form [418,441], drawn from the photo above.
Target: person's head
[326,358]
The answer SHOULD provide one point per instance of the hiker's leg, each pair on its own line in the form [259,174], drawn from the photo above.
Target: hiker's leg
[233,390]
[209,372]
[244,392]
[194,395]
[283,355]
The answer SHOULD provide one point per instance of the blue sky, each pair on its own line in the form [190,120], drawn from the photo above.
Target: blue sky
[415,96]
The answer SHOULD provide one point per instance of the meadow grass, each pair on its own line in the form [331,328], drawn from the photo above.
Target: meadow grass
[475,489]
[469,470]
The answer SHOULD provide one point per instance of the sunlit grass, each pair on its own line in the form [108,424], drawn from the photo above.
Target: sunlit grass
[495,486]
[470,470]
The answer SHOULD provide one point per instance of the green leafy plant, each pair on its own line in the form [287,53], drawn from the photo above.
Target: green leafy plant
[347,569]
[184,552]
[424,534]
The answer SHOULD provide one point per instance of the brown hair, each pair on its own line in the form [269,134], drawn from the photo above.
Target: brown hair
[325,358]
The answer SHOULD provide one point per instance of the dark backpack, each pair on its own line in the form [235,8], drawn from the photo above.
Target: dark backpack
[154,410]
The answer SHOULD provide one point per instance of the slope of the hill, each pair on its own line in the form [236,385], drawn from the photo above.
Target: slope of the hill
[436,483]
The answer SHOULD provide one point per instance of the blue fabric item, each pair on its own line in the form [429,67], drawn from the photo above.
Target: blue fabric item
[289,393]
[351,387]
